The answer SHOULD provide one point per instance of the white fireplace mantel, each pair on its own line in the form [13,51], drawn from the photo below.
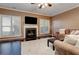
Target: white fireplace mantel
[30,26]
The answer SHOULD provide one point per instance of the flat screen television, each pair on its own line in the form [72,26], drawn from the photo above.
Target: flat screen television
[30,20]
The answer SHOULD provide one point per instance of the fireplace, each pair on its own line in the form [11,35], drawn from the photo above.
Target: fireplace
[30,34]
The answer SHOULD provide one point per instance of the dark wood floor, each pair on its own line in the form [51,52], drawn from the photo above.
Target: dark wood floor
[10,48]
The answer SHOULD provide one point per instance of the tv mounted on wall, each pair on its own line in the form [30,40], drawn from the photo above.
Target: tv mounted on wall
[30,20]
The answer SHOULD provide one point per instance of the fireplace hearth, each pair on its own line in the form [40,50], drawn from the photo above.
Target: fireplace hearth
[30,34]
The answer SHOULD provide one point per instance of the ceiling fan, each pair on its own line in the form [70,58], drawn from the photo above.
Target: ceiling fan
[43,5]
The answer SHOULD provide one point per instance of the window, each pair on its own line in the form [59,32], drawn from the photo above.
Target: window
[10,25]
[0,26]
[6,25]
[44,26]
[16,25]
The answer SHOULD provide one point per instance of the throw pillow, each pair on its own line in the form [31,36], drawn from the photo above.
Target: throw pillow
[71,39]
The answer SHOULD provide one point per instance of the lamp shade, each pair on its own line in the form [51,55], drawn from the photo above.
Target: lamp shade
[62,31]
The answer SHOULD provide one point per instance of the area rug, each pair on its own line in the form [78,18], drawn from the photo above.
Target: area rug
[36,47]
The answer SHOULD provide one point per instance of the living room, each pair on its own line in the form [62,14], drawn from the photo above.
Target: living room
[29,30]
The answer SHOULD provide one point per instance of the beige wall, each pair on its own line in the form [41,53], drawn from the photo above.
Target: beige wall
[22,14]
[69,19]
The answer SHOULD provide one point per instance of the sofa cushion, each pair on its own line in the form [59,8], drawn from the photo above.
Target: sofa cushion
[77,44]
[71,39]
[72,32]
[76,32]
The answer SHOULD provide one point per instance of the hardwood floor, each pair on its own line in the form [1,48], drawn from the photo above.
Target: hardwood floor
[10,48]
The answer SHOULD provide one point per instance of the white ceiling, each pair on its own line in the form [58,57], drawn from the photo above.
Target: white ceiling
[51,11]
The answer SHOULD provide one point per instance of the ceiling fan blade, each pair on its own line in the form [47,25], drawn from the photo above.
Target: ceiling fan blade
[32,3]
[40,6]
[49,4]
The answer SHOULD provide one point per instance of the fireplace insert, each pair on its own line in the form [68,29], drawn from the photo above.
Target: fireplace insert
[31,34]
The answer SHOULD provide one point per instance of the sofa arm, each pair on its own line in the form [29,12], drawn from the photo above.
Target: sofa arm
[65,48]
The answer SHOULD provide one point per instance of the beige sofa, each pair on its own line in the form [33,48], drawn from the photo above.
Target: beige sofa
[63,48]
[70,45]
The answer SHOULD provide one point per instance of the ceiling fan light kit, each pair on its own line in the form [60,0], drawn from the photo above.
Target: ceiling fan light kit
[43,5]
